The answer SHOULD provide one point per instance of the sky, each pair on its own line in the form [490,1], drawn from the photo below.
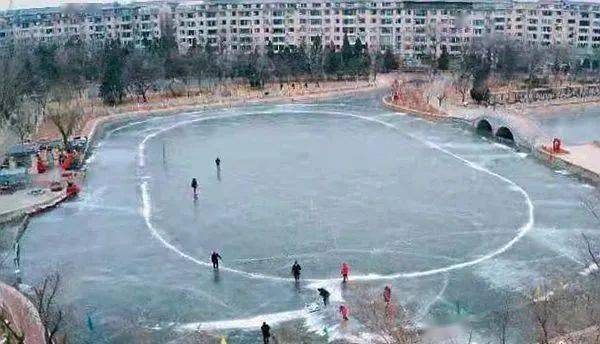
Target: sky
[44,3]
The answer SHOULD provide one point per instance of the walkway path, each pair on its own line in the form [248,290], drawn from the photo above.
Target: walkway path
[34,197]
[586,156]
[24,201]
[584,160]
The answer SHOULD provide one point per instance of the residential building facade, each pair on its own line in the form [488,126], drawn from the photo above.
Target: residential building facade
[130,24]
[412,28]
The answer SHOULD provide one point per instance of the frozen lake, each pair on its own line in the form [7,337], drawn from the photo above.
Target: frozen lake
[441,214]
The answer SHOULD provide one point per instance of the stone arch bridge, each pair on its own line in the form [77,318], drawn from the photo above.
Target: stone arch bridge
[510,129]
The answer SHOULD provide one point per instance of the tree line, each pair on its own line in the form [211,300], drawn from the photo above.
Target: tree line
[527,66]
[36,76]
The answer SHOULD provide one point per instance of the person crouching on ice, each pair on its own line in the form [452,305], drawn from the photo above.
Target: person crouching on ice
[72,189]
[324,293]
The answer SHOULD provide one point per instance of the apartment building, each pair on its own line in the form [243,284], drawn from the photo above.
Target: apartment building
[411,28]
[130,24]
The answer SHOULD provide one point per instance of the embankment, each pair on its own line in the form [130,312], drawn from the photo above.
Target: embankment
[582,161]
[22,314]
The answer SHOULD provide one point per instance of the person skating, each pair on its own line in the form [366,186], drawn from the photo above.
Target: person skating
[344,311]
[296,270]
[324,295]
[387,294]
[345,272]
[266,332]
[195,187]
[214,258]
[218,162]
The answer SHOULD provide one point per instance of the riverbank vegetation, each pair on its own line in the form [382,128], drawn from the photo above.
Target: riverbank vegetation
[42,80]
[502,71]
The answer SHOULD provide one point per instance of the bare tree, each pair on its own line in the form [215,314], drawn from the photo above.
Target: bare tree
[439,89]
[66,114]
[592,252]
[535,58]
[51,314]
[388,321]
[292,333]
[592,204]
[441,96]
[11,87]
[592,255]
[24,120]
[142,70]
[543,312]
[502,321]
[74,64]
[462,85]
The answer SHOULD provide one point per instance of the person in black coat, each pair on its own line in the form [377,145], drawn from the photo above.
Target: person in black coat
[296,270]
[194,186]
[266,332]
[324,295]
[214,258]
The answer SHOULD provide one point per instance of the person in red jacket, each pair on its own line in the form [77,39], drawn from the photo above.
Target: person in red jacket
[72,189]
[41,167]
[345,272]
[387,294]
[344,311]
[68,161]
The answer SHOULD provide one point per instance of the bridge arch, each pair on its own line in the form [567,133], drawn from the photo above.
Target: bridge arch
[484,127]
[505,133]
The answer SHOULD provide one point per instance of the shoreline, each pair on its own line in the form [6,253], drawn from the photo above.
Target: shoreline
[15,302]
[97,128]
[94,128]
[423,114]
[575,166]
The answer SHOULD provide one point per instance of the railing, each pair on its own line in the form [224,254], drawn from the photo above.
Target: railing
[545,94]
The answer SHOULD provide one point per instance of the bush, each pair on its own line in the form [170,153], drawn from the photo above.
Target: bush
[480,93]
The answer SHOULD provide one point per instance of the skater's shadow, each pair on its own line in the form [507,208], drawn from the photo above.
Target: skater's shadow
[344,286]
[218,173]
[216,276]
